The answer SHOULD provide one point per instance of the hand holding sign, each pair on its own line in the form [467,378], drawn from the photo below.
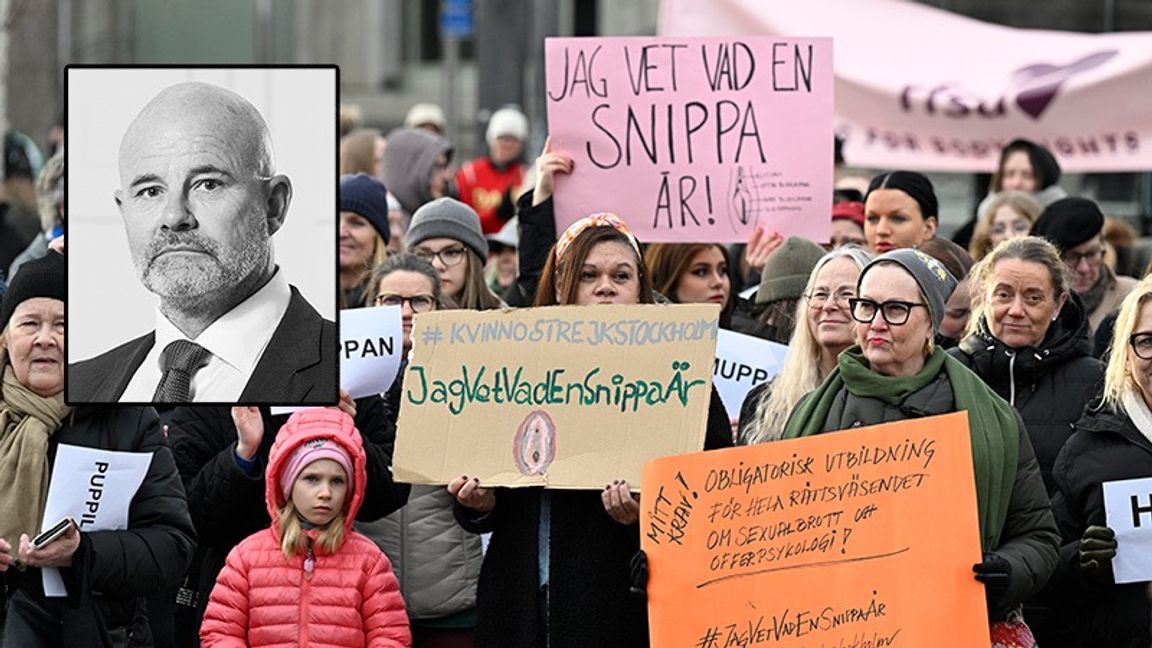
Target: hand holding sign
[547,166]
[1097,549]
[472,495]
[620,504]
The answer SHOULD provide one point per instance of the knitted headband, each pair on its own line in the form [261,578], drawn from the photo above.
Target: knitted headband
[603,219]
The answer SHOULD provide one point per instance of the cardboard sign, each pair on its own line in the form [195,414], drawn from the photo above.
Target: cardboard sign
[743,362]
[95,488]
[952,91]
[694,139]
[1128,510]
[564,397]
[858,538]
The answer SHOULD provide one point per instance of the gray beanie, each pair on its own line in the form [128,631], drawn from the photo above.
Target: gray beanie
[786,270]
[936,283]
[447,218]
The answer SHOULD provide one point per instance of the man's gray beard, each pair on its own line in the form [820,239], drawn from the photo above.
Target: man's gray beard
[193,280]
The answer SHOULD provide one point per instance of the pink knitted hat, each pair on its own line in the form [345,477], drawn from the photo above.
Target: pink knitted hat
[313,450]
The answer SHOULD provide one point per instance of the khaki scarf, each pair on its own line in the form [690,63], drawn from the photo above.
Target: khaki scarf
[26,422]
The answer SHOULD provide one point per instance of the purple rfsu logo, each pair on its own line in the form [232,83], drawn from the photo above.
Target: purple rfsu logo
[1032,88]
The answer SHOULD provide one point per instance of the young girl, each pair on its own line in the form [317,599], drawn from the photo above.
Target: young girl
[309,579]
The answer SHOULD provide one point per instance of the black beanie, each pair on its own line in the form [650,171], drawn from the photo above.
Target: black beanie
[43,277]
[916,185]
[1068,222]
[364,195]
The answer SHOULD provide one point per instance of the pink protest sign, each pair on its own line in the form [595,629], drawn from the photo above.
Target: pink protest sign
[922,88]
[694,139]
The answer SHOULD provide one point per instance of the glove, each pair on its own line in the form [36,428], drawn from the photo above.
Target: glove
[995,572]
[1097,549]
[639,573]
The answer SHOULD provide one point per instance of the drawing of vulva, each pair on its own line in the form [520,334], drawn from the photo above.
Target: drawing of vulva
[535,443]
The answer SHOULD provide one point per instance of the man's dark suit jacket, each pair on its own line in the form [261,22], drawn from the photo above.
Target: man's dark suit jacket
[297,367]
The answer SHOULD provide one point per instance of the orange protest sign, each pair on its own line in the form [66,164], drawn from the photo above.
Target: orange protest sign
[863,538]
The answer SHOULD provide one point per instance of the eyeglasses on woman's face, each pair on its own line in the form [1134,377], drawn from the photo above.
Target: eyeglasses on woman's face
[818,298]
[418,303]
[449,256]
[1141,344]
[894,312]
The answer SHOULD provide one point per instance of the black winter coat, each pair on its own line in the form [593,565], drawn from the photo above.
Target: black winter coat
[1049,385]
[228,505]
[537,235]
[1106,447]
[122,566]
[588,600]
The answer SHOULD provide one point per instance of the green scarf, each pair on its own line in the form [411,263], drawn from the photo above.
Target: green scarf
[992,423]
[27,420]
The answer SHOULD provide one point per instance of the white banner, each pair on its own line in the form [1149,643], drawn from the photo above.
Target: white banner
[921,88]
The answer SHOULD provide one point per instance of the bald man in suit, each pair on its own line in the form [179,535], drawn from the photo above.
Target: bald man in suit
[201,201]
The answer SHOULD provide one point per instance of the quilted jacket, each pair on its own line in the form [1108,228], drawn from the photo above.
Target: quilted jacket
[351,598]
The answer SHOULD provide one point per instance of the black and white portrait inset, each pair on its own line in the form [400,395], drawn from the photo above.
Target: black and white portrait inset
[201,235]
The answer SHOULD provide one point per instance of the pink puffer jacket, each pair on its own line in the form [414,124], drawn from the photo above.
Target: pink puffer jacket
[351,599]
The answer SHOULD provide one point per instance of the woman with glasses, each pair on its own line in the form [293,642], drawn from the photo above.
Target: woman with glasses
[446,233]
[1028,339]
[1113,441]
[1008,215]
[558,568]
[436,561]
[826,329]
[896,373]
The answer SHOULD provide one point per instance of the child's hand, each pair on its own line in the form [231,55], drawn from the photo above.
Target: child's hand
[249,430]
[471,494]
[547,166]
[620,504]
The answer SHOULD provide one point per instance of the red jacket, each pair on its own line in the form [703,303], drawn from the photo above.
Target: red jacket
[481,185]
[264,599]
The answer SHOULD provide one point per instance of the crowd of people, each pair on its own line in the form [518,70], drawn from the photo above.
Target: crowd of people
[255,529]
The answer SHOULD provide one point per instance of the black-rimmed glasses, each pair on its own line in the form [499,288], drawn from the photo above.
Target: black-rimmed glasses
[449,256]
[418,303]
[1141,344]
[894,312]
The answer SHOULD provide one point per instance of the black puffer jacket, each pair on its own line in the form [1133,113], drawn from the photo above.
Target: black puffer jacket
[111,570]
[1106,447]
[1049,385]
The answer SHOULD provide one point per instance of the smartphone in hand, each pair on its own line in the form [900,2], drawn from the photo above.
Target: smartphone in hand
[53,534]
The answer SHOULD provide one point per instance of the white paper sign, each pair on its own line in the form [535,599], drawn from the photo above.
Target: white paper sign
[371,347]
[1128,511]
[743,362]
[95,488]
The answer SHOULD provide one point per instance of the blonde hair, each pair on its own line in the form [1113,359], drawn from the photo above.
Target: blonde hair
[801,371]
[1020,202]
[1032,249]
[1118,374]
[293,539]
